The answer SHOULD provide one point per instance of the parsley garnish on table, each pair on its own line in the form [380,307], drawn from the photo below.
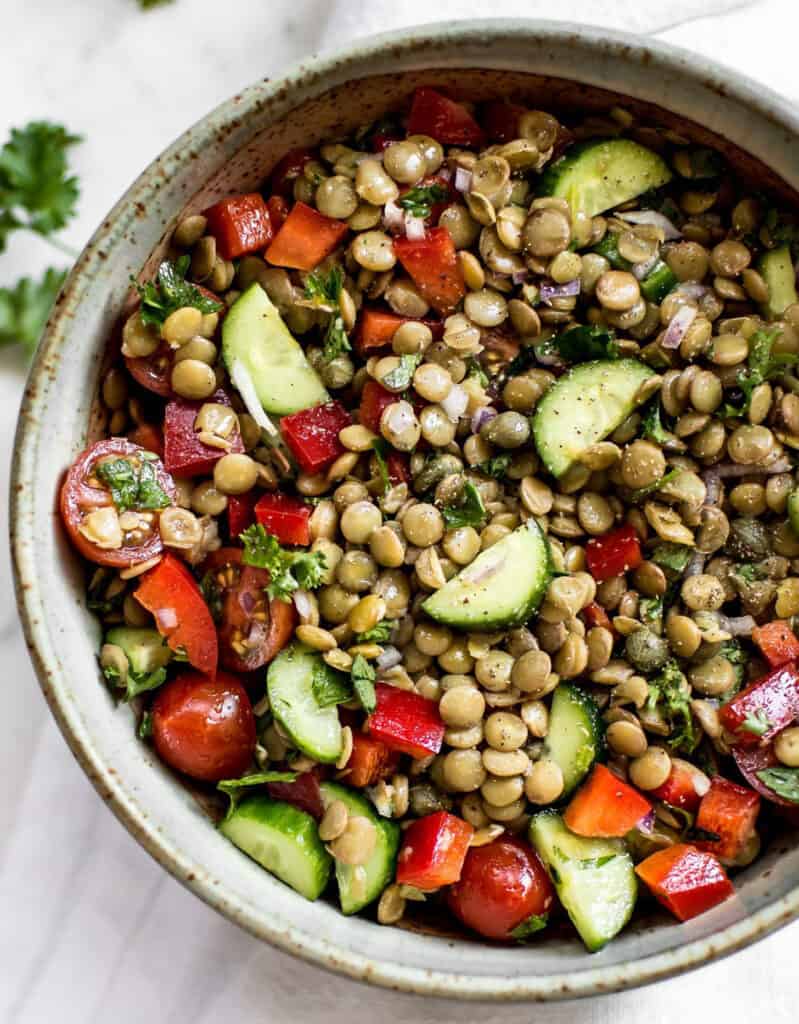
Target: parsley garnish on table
[288,570]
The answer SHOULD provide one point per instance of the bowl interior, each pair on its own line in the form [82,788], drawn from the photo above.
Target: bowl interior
[231,151]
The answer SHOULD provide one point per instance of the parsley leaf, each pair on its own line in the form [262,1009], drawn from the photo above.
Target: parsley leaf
[132,486]
[667,478]
[470,510]
[652,426]
[651,610]
[533,924]
[476,372]
[136,682]
[761,366]
[380,447]
[379,634]
[324,292]
[757,724]
[146,726]
[420,200]
[235,789]
[400,377]
[363,683]
[672,557]
[585,342]
[25,307]
[669,694]
[171,291]
[783,781]
[288,570]
[328,686]
[496,467]
[36,190]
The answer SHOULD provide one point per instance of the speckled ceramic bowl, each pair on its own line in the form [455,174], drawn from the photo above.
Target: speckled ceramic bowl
[551,65]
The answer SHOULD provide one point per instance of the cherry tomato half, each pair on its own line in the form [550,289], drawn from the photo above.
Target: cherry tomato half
[204,727]
[502,884]
[153,372]
[79,497]
[252,628]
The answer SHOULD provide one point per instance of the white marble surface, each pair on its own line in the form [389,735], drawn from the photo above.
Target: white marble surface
[90,928]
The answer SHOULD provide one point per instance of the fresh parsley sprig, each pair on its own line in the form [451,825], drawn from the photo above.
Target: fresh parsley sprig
[288,570]
[469,510]
[170,291]
[419,201]
[324,291]
[761,365]
[132,486]
[24,308]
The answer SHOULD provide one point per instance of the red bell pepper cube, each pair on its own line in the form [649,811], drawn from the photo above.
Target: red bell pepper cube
[501,120]
[685,786]
[184,453]
[605,807]
[433,851]
[171,594]
[306,238]
[613,554]
[406,722]
[685,880]
[764,708]
[595,615]
[312,435]
[303,792]
[777,642]
[443,119]
[370,761]
[278,211]
[376,328]
[240,225]
[730,811]
[432,262]
[240,513]
[284,517]
[287,170]
[374,400]
[148,436]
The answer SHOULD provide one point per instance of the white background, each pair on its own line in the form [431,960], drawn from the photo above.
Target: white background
[90,928]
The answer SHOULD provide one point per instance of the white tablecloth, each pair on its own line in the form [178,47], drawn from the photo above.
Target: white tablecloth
[91,930]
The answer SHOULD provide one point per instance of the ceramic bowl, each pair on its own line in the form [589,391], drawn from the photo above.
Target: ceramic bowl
[550,65]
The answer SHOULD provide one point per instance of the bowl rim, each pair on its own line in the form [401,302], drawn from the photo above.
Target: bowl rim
[32,603]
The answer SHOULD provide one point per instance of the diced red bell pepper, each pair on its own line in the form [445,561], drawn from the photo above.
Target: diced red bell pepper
[240,513]
[312,435]
[240,225]
[750,761]
[685,880]
[433,851]
[399,471]
[432,262]
[287,170]
[303,792]
[730,811]
[501,120]
[374,400]
[278,211]
[443,119]
[306,238]
[685,786]
[764,708]
[184,453]
[370,761]
[376,328]
[171,594]
[148,436]
[613,554]
[777,642]
[406,721]
[595,615]
[284,517]
[605,807]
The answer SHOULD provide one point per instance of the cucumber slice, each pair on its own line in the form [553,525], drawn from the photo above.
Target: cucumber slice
[354,893]
[583,407]
[594,878]
[599,174]
[658,282]
[146,649]
[503,586]
[282,839]
[289,683]
[574,740]
[253,334]
[776,268]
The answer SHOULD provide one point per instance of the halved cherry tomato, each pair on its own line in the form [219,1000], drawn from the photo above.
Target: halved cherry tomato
[204,727]
[252,628]
[502,885]
[153,372]
[148,436]
[79,497]
[171,594]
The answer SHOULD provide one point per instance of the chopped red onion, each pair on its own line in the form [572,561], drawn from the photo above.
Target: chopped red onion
[463,179]
[692,290]
[415,228]
[454,405]
[550,290]
[712,481]
[643,269]
[647,823]
[520,276]
[695,565]
[444,172]
[732,469]
[167,618]
[678,325]
[481,417]
[670,232]
[390,657]
[393,217]
[737,625]
[303,604]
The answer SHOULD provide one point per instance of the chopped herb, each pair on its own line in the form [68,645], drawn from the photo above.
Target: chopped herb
[212,592]
[589,863]
[534,923]
[749,572]
[288,570]
[25,307]
[672,557]
[523,360]
[495,467]
[737,657]
[669,694]
[235,789]
[586,341]
[783,781]
[652,426]
[132,486]
[363,683]
[324,291]
[651,610]
[171,291]
[400,377]
[667,478]
[761,366]
[380,447]
[476,372]
[470,510]
[419,201]
[329,687]
[758,723]
[379,634]
[146,726]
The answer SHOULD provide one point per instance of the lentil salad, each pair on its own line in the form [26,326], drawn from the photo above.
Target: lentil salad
[518,342]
